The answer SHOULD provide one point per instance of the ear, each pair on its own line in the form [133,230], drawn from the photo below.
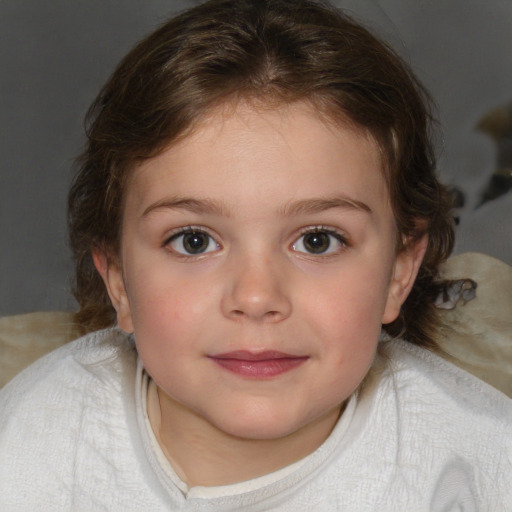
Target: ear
[112,276]
[405,270]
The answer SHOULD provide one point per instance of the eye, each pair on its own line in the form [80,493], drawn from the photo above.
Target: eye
[192,242]
[319,241]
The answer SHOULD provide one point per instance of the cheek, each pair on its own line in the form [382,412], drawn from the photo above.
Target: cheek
[169,310]
[168,324]
[354,302]
[346,314]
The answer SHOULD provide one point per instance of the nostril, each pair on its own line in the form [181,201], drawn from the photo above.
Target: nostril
[268,315]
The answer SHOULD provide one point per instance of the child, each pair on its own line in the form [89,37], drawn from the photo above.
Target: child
[256,202]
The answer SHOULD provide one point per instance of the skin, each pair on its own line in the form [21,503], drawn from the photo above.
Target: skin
[252,181]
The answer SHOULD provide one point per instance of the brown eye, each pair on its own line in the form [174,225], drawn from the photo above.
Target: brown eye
[192,243]
[319,242]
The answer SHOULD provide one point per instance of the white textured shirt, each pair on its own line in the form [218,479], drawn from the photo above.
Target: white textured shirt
[426,436]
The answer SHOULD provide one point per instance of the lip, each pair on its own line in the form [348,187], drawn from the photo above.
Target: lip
[258,365]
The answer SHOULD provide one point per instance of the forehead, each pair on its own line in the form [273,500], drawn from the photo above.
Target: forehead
[291,152]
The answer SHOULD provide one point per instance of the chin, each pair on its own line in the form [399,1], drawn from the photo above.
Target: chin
[266,432]
[260,425]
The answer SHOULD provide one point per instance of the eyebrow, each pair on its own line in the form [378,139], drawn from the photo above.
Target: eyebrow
[305,206]
[302,206]
[199,206]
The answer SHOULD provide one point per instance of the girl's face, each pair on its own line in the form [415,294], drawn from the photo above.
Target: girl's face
[258,264]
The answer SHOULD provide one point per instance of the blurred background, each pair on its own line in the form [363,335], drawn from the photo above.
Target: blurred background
[55,55]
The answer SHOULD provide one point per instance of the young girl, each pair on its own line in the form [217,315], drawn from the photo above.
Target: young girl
[256,221]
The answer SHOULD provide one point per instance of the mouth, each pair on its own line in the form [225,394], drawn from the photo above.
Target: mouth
[258,365]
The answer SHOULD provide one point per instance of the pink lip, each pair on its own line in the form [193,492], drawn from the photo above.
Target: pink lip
[260,365]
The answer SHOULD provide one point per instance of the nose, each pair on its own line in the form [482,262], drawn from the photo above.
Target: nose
[255,291]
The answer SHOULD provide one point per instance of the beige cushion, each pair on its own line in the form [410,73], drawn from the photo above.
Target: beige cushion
[477,335]
[25,338]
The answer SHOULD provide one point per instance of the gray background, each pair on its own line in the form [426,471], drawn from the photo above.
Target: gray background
[54,56]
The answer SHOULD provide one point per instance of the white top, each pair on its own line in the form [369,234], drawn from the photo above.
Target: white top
[74,435]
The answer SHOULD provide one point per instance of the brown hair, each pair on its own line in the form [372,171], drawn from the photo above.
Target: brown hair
[276,51]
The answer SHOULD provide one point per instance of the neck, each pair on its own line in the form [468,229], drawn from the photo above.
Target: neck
[203,455]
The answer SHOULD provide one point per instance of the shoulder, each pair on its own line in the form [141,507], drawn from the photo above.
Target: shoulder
[450,423]
[89,370]
[94,358]
[67,379]
[422,374]
[61,411]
